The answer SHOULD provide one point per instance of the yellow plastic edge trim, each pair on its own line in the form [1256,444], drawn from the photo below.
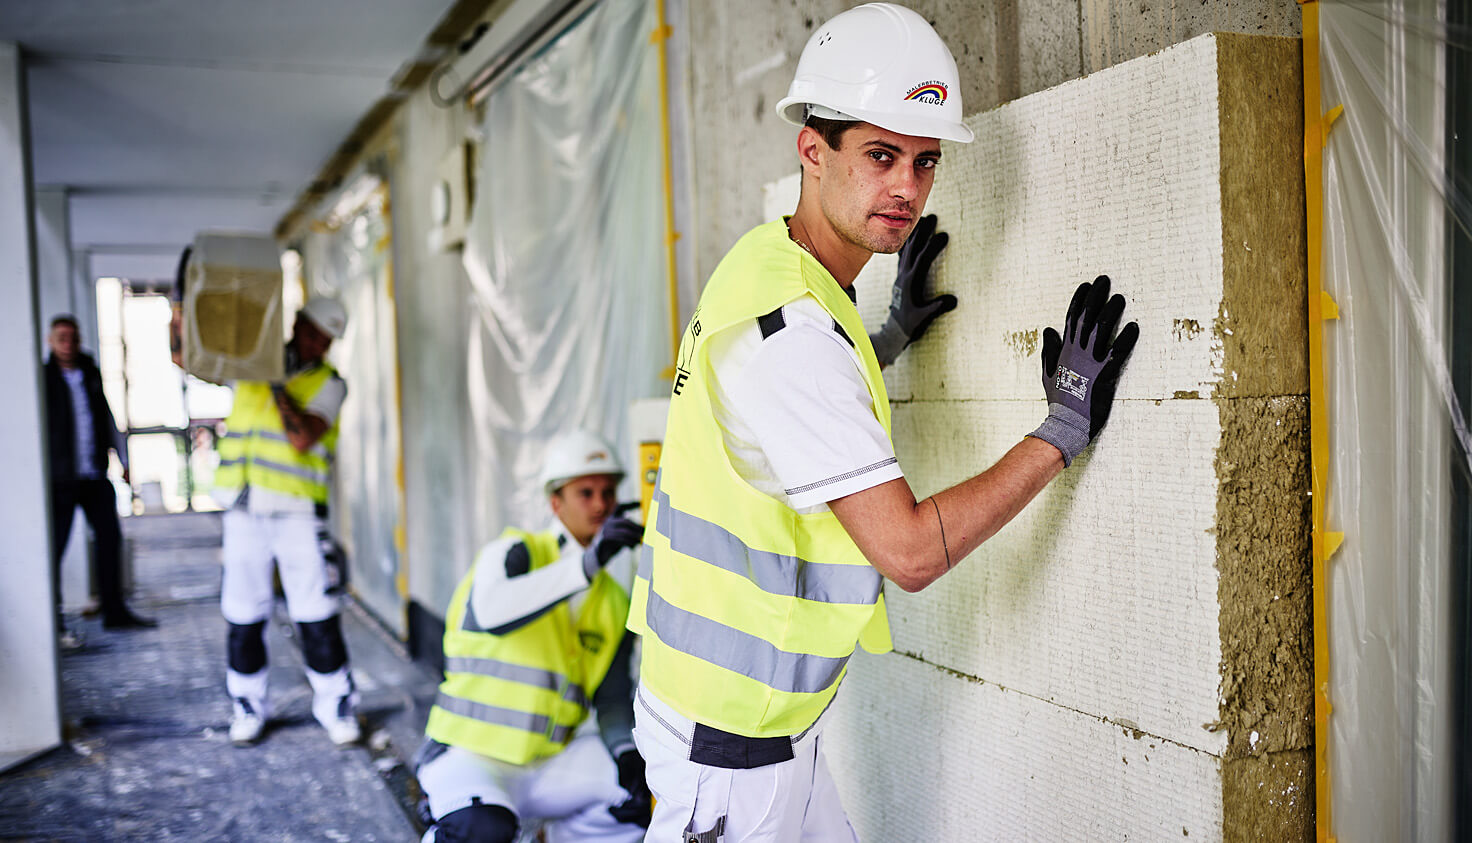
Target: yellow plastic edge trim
[661,36]
[1320,306]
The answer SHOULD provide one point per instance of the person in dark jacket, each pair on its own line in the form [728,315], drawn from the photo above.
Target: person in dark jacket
[80,430]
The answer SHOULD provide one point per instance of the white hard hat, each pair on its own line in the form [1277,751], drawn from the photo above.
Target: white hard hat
[882,64]
[577,454]
[327,314]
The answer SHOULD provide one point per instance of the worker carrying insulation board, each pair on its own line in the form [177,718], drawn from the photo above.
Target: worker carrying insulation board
[275,464]
[534,637]
[780,508]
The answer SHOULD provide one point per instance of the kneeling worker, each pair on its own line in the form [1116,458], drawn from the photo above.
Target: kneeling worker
[534,636]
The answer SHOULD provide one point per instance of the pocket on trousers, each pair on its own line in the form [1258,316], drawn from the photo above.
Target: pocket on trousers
[715,834]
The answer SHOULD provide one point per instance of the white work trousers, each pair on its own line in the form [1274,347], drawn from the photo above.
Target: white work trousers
[570,792]
[290,541]
[793,800]
[254,545]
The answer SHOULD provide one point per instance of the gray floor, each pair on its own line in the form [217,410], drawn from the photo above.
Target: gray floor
[146,755]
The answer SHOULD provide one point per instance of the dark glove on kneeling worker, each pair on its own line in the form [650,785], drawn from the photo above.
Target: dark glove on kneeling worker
[616,534]
[1081,368]
[639,807]
[910,313]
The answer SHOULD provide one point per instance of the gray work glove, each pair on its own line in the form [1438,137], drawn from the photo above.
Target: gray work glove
[910,313]
[1081,368]
[616,534]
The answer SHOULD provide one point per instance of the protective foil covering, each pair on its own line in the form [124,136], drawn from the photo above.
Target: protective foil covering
[353,263]
[1397,432]
[565,259]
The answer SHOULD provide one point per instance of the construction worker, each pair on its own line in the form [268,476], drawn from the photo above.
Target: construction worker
[275,462]
[780,507]
[535,635]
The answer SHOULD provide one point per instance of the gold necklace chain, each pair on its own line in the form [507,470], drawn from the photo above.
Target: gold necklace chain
[793,237]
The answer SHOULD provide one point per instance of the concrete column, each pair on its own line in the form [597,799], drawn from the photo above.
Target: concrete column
[61,290]
[30,716]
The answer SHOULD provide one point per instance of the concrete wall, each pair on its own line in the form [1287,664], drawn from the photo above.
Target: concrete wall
[1131,658]
[743,56]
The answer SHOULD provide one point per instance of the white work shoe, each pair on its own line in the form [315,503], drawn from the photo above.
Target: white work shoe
[246,723]
[339,720]
[70,641]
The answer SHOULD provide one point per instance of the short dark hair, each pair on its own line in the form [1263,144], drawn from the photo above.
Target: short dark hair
[65,319]
[832,131]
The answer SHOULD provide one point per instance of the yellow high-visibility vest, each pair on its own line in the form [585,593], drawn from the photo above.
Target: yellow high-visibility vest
[255,451]
[749,610]
[520,696]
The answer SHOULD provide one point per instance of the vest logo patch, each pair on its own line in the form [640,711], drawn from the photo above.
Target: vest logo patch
[687,350]
[591,641]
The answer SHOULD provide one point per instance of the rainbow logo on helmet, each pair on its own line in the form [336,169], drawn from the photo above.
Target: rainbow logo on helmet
[932,93]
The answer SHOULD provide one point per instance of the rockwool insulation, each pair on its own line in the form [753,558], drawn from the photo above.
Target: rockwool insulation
[232,309]
[1131,658]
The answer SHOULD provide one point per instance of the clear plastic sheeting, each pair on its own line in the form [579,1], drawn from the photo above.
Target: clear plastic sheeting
[352,262]
[565,257]
[1393,209]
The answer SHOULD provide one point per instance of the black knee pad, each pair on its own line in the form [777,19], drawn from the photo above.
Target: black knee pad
[477,824]
[322,644]
[247,647]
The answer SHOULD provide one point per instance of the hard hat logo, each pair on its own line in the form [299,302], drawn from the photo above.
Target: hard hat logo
[932,93]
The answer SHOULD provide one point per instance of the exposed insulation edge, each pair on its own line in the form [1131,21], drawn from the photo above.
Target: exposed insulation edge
[1263,517]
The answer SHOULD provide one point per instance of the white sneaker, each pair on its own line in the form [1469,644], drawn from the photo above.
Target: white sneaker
[70,640]
[246,724]
[340,721]
[343,731]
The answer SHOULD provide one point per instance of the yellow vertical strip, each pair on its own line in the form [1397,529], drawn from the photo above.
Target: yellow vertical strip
[401,534]
[661,37]
[1313,149]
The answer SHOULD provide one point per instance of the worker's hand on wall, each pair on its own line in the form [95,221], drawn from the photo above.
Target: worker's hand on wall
[910,313]
[638,808]
[1081,368]
[616,534]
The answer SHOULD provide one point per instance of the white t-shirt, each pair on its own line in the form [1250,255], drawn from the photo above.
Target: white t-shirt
[794,410]
[498,599]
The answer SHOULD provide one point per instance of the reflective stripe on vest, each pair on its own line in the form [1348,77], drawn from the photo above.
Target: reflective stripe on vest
[539,724]
[774,573]
[740,652]
[520,696]
[545,679]
[750,610]
[255,450]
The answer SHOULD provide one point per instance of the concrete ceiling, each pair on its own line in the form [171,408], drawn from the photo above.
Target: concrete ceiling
[163,117]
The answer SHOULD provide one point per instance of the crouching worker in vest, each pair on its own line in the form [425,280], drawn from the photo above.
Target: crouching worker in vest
[534,637]
[275,462]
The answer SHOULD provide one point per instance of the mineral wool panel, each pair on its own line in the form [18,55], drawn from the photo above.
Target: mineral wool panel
[1101,595]
[1159,588]
[921,755]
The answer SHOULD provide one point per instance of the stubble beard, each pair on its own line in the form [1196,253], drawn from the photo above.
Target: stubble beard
[860,236]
